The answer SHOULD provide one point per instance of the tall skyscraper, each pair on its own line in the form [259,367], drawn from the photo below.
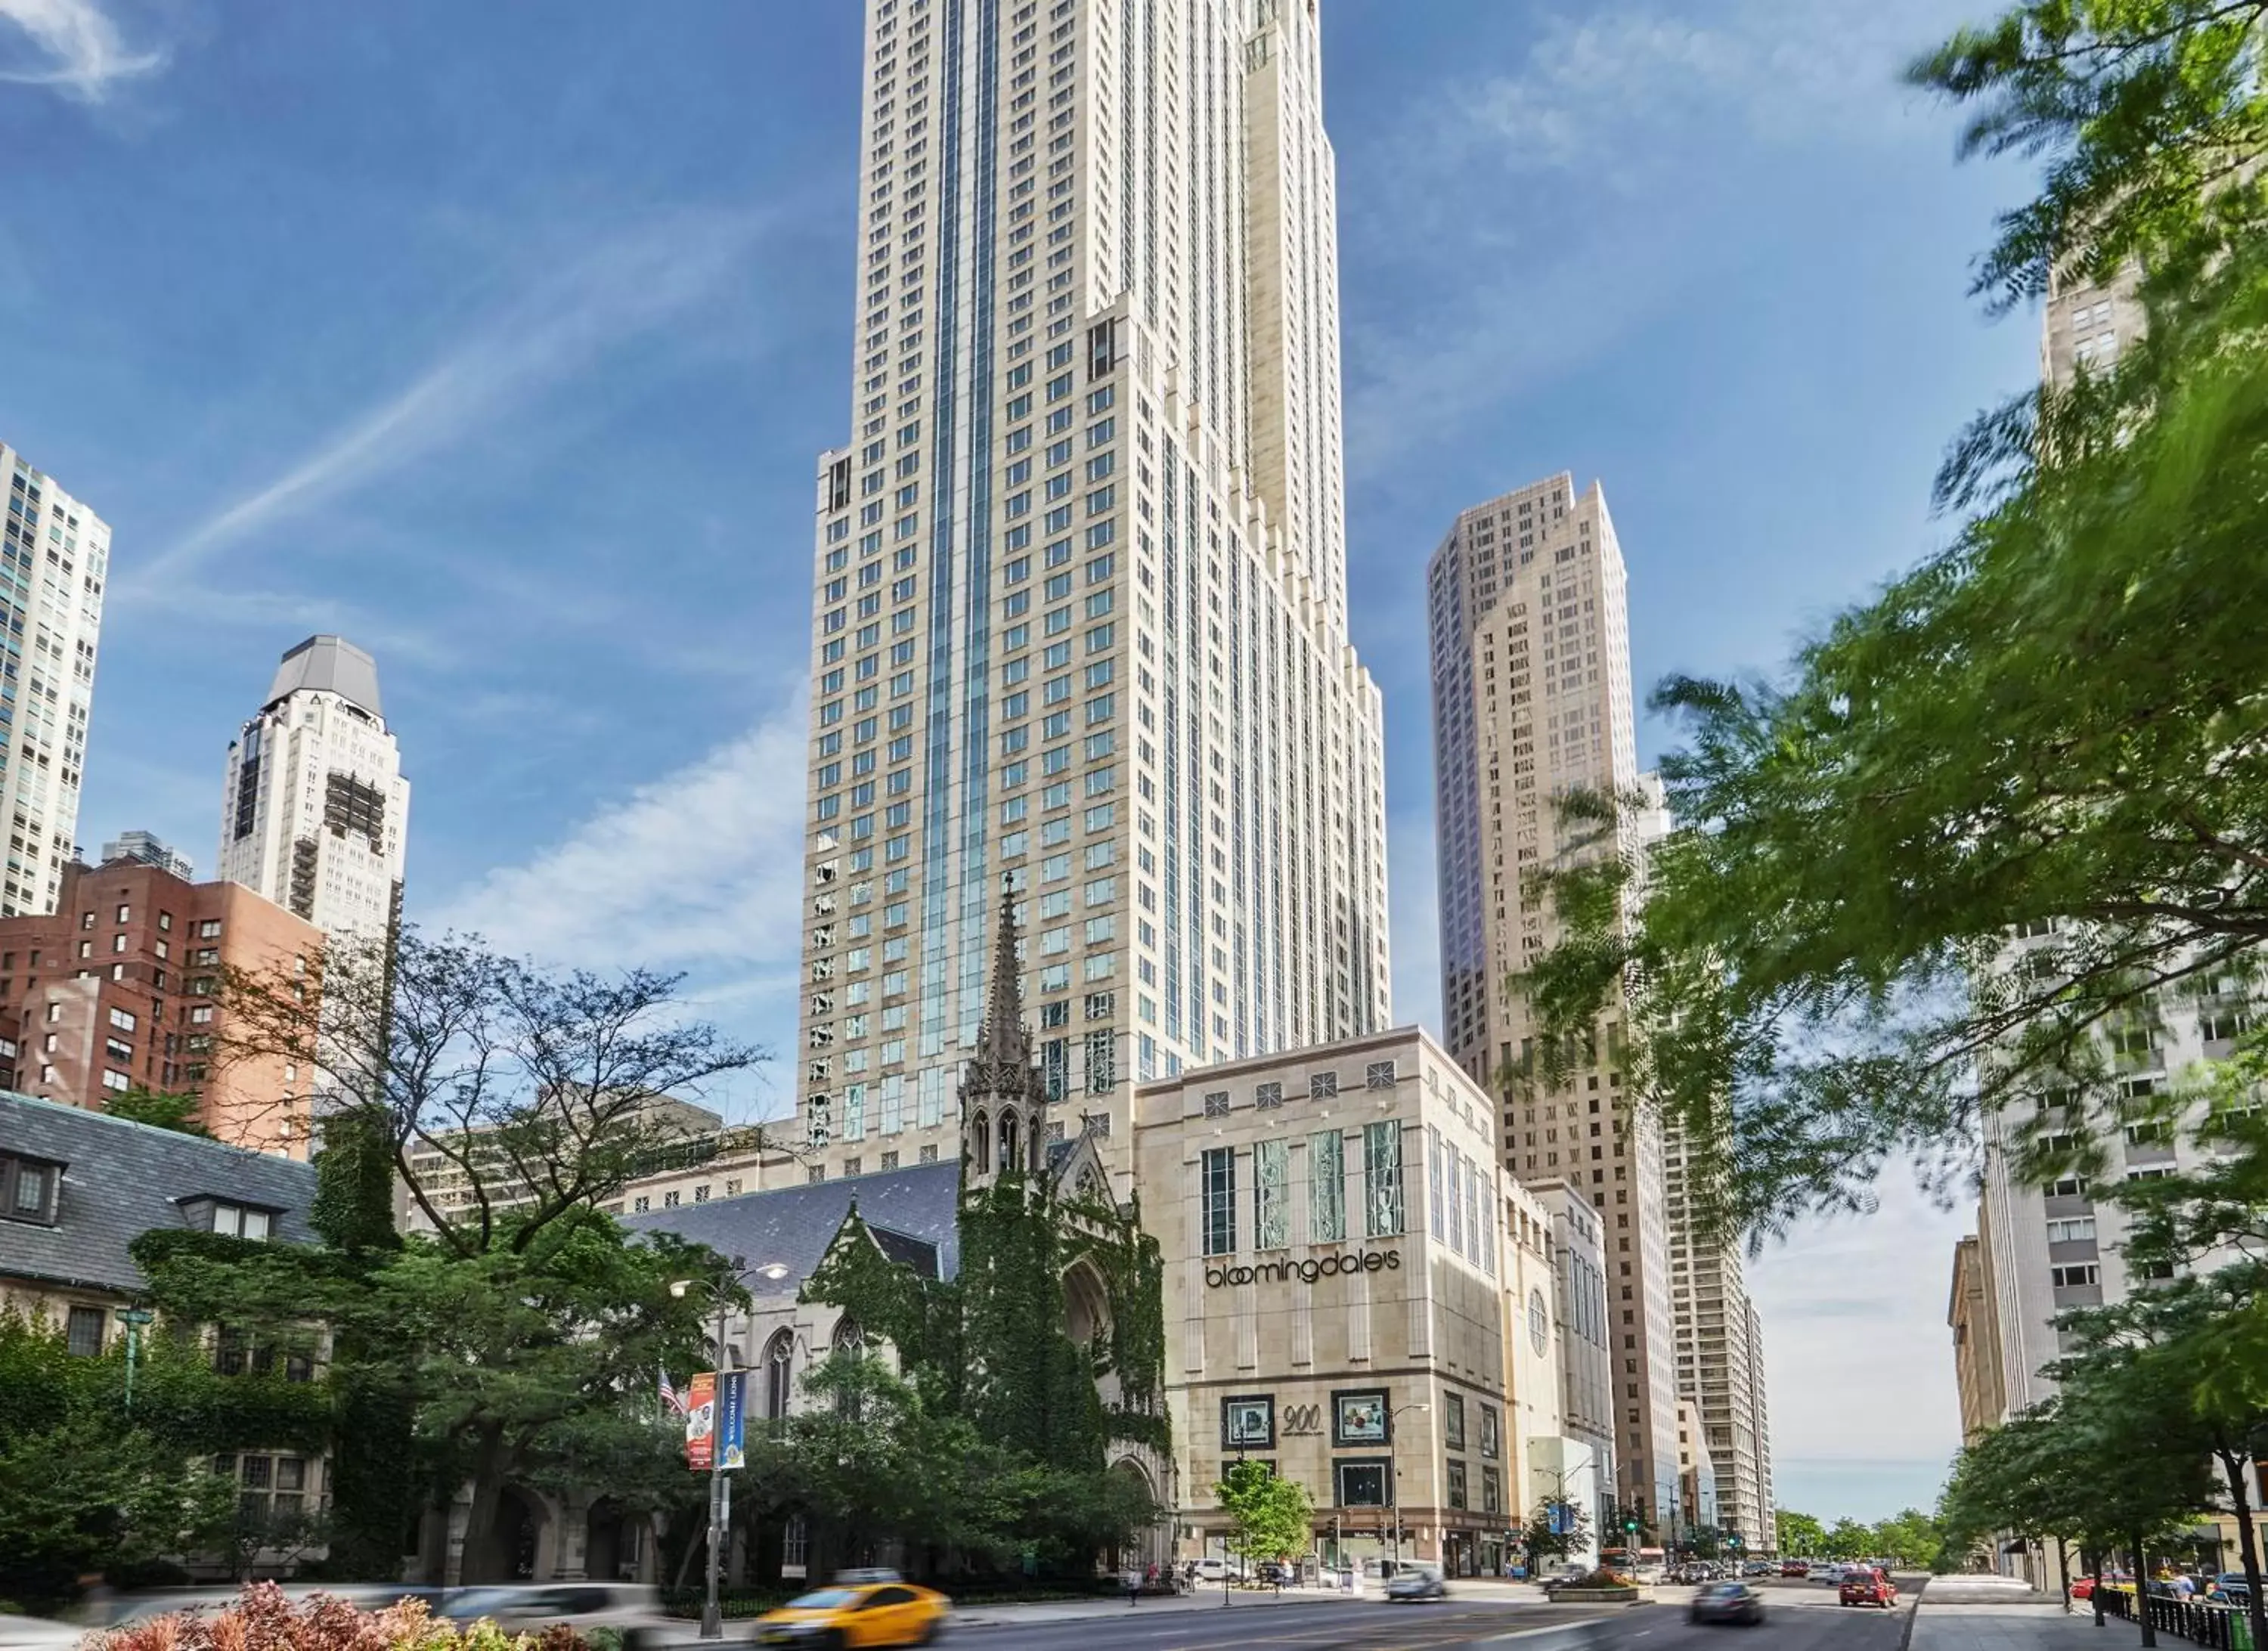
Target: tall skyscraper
[1081,607]
[1720,1360]
[315,813]
[55,560]
[1531,653]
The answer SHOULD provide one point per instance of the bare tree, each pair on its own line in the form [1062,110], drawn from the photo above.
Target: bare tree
[498,1086]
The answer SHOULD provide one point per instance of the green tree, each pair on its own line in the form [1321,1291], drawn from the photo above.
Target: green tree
[87,1485]
[2000,743]
[525,1329]
[1799,1533]
[159,1109]
[1556,1529]
[1269,1518]
[1910,1540]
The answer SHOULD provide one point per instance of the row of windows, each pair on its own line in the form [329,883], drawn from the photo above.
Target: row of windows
[1272,1196]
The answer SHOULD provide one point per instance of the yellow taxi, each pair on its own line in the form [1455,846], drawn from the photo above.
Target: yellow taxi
[860,1607]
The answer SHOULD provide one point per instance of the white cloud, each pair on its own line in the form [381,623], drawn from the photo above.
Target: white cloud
[82,53]
[1600,91]
[621,288]
[701,870]
[1859,1361]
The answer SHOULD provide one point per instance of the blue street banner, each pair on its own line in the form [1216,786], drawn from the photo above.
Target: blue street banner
[732,1418]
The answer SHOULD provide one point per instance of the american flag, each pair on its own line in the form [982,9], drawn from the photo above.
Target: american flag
[670,1396]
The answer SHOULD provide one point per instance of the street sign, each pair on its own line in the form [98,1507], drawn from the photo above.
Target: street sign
[732,1418]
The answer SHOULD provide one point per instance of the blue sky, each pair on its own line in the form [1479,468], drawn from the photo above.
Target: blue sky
[502,338]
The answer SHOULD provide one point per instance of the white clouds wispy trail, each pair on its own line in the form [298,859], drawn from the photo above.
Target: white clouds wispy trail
[701,869]
[619,290]
[83,56]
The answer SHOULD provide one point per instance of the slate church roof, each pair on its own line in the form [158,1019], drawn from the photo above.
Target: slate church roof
[122,1179]
[913,1211]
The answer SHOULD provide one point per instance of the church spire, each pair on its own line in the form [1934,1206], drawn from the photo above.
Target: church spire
[1003,1095]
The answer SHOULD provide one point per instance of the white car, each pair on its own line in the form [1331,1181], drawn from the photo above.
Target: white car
[633,1609]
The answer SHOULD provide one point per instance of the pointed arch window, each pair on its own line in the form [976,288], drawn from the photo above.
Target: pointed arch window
[779,1356]
[1010,1139]
[980,1144]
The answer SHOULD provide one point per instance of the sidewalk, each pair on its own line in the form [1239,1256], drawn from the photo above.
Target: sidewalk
[1964,1626]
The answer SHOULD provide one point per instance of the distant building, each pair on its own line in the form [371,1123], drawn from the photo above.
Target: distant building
[315,813]
[1976,1359]
[1586,1359]
[55,557]
[1527,619]
[77,1189]
[459,1171]
[141,845]
[118,989]
[1696,1479]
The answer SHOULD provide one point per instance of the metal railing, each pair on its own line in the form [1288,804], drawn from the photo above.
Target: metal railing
[2219,1626]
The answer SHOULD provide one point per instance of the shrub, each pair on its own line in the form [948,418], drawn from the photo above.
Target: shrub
[263,1619]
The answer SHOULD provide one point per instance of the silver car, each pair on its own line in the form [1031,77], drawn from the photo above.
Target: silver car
[1417,1581]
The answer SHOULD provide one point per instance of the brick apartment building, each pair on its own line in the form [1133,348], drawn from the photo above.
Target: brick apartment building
[115,989]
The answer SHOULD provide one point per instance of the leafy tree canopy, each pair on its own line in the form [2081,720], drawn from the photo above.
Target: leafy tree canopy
[1820,964]
[1269,1518]
[159,1109]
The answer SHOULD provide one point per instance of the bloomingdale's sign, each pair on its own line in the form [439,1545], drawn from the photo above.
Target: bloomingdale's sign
[1306,1272]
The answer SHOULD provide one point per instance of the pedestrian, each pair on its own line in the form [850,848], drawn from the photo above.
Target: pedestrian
[2184,1584]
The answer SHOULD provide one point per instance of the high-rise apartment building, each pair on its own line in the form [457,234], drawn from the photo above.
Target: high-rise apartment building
[1530,651]
[1081,613]
[1719,1358]
[55,559]
[117,989]
[315,813]
[1760,1428]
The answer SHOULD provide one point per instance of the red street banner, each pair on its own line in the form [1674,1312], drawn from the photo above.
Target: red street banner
[701,1422]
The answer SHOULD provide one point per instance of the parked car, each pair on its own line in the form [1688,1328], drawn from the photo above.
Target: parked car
[2234,1584]
[1794,1567]
[1728,1602]
[845,1615]
[1863,1586]
[1417,1581]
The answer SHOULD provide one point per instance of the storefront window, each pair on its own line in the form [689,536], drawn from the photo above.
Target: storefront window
[1362,1484]
[1382,1178]
[1326,1186]
[1220,1186]
[1271,1194]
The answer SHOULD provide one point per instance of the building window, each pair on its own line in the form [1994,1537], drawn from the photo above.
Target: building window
[1322,1086]
[1379,1075]
[1362,1484]
[84,1337]
[1216,1104]
[1271,1194]
[1382,1178]
[640,1204]
[1489,1433]
[1457,1494]
[1267,1094]
[1453,1422]
[2075,1276]
[1491,1490]
[1248,1422]
[779,1355]
[1326,1186]
[1360,1416]
[236,1221]
[1218,1185]
[795,1546]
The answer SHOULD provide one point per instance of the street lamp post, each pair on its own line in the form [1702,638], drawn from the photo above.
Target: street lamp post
[1394,1474]
[720,1487]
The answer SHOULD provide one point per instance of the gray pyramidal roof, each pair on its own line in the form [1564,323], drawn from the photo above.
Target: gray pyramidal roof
[791,1227]
[333,665]
[122,1179]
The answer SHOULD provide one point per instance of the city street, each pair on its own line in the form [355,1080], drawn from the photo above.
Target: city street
[1800,1619]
